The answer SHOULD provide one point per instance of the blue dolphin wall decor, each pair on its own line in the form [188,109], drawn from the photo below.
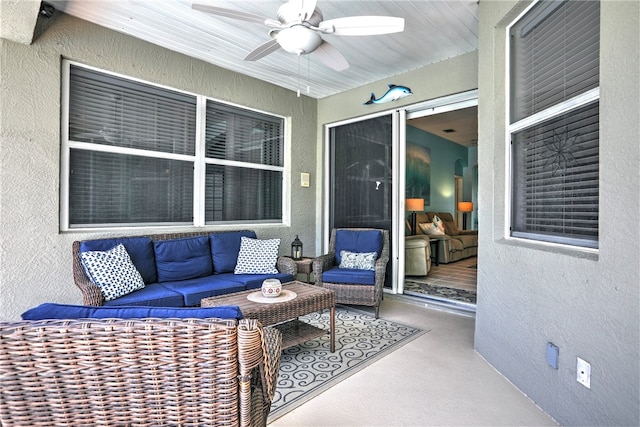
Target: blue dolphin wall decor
[393,94]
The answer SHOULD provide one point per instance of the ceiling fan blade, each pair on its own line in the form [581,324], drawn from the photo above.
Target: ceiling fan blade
[306,7]
[235,14]
[331,57]
[263,50]
[362,25]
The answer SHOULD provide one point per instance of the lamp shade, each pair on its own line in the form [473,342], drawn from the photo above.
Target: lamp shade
[465,206]
[414,204]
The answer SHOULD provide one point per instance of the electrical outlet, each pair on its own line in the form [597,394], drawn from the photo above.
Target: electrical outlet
[583,369]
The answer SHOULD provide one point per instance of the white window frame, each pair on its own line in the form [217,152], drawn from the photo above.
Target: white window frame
[198,159]
[555,110]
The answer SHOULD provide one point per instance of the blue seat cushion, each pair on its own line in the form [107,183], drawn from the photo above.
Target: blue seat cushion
[193,290]
[67,311]
[225,248]
[254,281]
[140,250]
[152,295]
[181,259]
[349,276]
[358,241]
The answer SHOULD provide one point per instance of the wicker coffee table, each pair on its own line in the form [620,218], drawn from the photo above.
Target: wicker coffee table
[284,314]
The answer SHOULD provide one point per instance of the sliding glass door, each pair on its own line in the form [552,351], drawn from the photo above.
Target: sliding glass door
[360,191]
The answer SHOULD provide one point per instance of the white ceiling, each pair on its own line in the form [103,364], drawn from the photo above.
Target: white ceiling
[434,31]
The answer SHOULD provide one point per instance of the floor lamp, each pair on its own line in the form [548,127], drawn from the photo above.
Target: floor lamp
[465,207]
[414,205]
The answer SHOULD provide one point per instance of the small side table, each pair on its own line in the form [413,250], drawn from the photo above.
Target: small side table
[434,250]
[305,266]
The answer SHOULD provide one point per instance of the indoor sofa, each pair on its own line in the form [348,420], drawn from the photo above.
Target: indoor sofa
[65,365]
[175,270]
[455,244]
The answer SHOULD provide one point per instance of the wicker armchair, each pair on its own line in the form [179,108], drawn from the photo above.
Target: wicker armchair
[346,291]
[143,372]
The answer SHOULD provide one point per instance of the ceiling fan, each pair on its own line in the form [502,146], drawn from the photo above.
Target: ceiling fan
[299,27]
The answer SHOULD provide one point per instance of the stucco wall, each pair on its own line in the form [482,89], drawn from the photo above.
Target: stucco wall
[586,304]
[35,258]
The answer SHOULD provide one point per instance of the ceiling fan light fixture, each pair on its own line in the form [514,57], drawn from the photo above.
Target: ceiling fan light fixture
[299,39]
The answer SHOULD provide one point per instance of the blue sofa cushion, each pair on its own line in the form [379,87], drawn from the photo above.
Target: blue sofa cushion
[67,311]
[181,259]
[358,241]
[140,250]
[225,248]
[349,276]
[193,290]
[254,281]
[152,295]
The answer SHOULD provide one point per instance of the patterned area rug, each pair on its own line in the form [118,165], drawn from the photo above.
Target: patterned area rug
[441,292]
[309,369]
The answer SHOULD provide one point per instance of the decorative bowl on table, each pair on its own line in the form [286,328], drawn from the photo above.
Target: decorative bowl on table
[271,288]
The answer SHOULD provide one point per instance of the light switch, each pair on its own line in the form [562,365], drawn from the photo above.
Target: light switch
[304,179]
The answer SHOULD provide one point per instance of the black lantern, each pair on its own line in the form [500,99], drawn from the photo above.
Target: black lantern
[296,248]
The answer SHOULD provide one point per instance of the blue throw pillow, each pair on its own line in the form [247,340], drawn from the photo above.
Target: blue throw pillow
[358,241]
[181,259]
[68,311]
[225,248]
[140,250]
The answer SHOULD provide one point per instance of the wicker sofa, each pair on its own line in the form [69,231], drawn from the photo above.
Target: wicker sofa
[455,244]
[143,372]
[178,269]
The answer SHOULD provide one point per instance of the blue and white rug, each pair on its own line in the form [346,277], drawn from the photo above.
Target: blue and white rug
[308,369]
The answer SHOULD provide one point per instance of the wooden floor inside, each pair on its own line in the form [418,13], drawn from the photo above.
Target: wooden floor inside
[461,274]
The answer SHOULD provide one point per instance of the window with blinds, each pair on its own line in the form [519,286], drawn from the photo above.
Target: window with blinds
[133,158]
[554,122]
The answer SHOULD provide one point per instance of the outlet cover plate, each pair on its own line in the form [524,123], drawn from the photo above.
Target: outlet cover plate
[583,374]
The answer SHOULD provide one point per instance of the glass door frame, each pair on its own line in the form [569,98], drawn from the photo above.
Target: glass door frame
[398,132]
[399,125]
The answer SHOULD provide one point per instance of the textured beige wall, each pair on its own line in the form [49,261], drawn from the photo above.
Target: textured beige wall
[35,257]
[529,294]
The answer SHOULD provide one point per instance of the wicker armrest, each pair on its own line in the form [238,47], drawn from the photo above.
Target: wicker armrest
[259,352]
[91,293]
[287,265]
[323,263]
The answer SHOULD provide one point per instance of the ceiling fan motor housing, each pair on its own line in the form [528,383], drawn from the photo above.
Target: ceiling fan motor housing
[299,39]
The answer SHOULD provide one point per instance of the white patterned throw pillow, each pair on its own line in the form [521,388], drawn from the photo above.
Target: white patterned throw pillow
[358,261]
[112,271]
[257,256]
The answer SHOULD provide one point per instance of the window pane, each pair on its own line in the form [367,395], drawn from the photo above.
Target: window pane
[554,55]
[244,136]
[242,194]
[108,110]
[555,171]
[120,189]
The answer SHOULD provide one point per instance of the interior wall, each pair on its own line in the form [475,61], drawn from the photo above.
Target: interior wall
[530,294]
[444,157]
[35,257]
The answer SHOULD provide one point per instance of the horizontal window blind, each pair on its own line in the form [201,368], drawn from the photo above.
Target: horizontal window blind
[106,109]
[556,178]
[251,194]
[554,53]
[244,136]
[239,179]
[554,61]
[117,189]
